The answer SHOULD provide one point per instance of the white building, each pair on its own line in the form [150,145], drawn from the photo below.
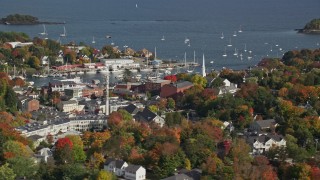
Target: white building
[263,142]
[69,106]
[54,126]
[135,172]
[228,87]
[115,166]
[119,63]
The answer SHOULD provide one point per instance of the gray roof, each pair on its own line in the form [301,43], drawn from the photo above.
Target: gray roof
[183,84]
[264,138]
[119,163]
[265,123]
[179,177]
[69,102]
[132,168]
[131,108]
[145,115]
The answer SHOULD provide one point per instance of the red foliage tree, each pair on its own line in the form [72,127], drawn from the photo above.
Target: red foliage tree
[315,173]
[62,143]
[172,78]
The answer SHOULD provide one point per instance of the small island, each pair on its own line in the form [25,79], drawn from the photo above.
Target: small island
[312,27]
[18,19]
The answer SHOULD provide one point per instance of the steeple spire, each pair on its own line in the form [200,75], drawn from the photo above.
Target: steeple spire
[203,67]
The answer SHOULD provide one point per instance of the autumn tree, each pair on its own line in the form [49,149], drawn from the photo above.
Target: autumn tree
[6,173]
[63,151]
[77,149]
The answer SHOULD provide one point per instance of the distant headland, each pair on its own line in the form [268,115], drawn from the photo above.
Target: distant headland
[312,27]
[18,19]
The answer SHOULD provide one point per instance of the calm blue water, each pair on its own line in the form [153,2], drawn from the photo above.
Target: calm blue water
[265,24]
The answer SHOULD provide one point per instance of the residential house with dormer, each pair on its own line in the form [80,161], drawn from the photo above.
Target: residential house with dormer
[261,143]
[228,87]
[150,117]
[115,166]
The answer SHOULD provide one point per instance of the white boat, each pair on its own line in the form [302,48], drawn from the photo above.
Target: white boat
[162,39]
[186,40]
[222,36]
[240,30]
[91,71]
[225,52]
[146,70]
[235,52]
[64,32]
[234,34]
[30,83]
[229,45]
[136,5]
[43,76]
[245,47]
[112,43]
[93,41]
[169,68]
[80,72]
[44,31]
[104,70]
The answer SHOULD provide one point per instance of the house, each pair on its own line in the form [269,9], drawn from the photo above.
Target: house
[44,60]
[262,125]
[43,154]
[132,109]
[149,117]
[178,177]
[135,172]
[263,142]
[228,87]
[68,106]
[28,104]
[115,166]
[174,89]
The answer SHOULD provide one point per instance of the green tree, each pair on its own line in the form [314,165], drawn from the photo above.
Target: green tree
[6,173]
[125,115]
[34,62]
[171,103]
[199,80]
[11,100]
[77,150]
[23,167]
[105,175]
[153,108]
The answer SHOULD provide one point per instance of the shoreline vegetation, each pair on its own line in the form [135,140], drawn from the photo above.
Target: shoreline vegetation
[312,27]
[19,19]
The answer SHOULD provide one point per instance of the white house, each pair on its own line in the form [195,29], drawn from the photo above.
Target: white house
[135,172]
[116,166]
[262,143]
[228,87]
[44,60]
[43,154]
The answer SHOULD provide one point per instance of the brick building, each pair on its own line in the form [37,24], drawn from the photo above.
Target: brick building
[174,89]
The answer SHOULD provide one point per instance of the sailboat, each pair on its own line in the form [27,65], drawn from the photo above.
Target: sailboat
[229,45]
[136,5]
[235,34]
[64,32]
[240,31]
[186,40]
[162,39]
[44,31]
[225,52]
[245,47]
[222,36]
[235,52]
[93,41]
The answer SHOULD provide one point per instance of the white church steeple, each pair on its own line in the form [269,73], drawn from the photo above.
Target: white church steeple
[203,67]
